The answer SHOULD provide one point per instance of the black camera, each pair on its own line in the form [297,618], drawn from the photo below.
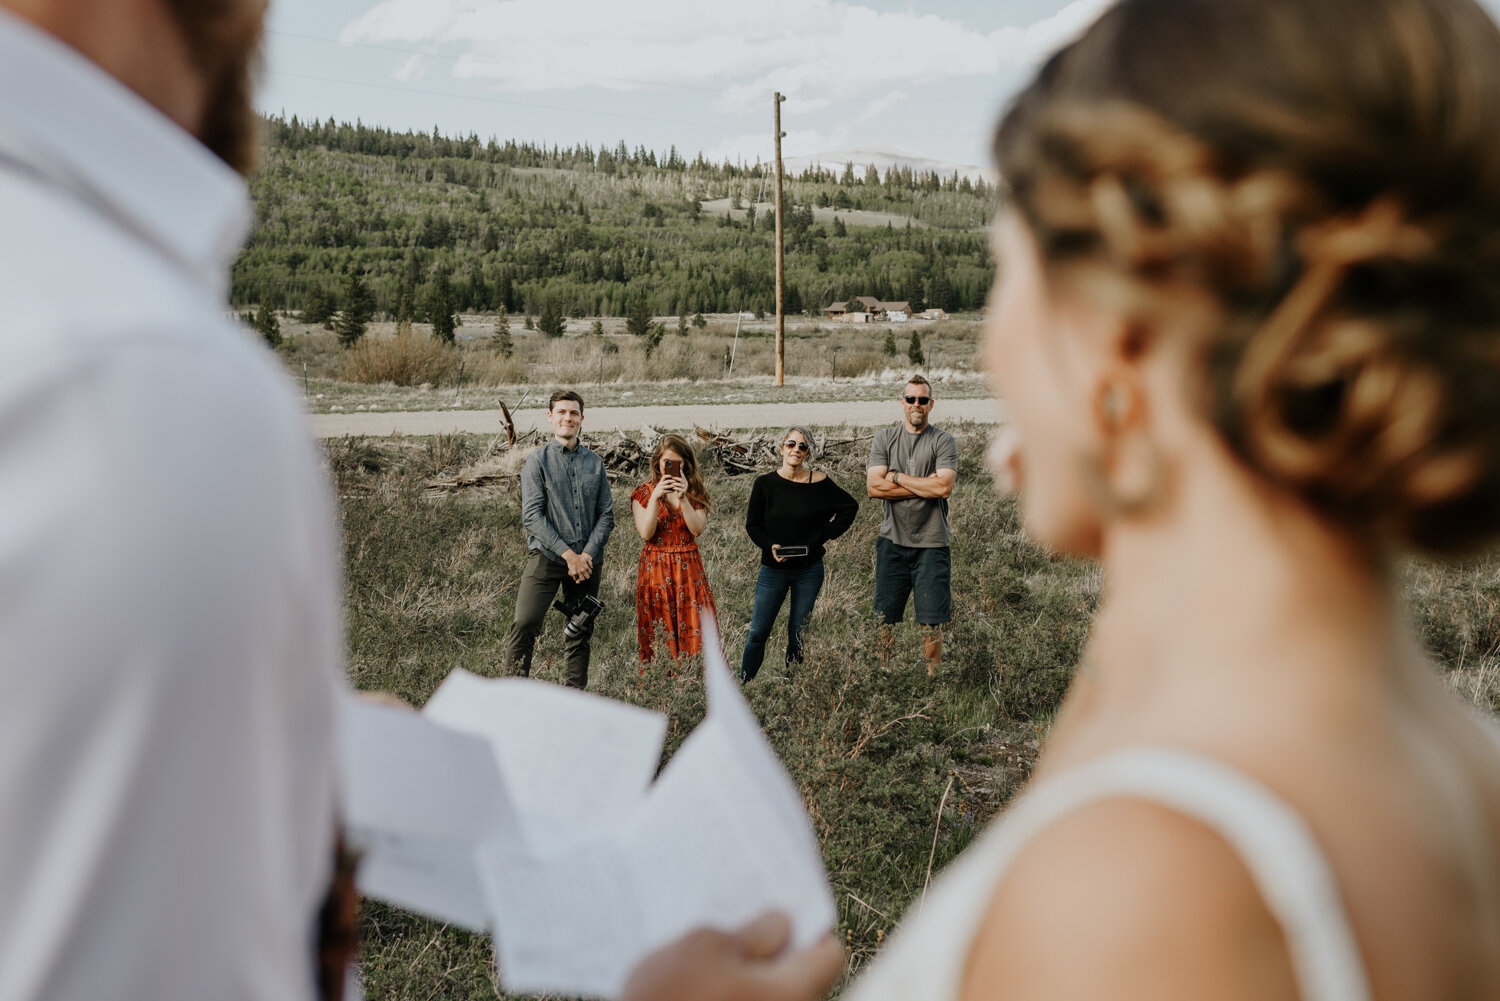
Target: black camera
[580,614]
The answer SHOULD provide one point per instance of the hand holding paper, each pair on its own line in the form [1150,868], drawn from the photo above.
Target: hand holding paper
[583,867]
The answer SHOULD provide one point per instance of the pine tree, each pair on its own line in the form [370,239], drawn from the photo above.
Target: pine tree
[502,341]
[597,330]
[890,343]
[638,320]
[939,291]
[440,308]
[355,316]
[319,307]
[914,349]
[267,325]
[551,321]
[406,303]
[699,321]
[479,289]
[682,323]
[654,334]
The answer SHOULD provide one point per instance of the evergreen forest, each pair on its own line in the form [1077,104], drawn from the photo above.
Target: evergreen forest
[421,223]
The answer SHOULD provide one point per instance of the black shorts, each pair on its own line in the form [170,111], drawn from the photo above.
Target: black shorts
[923,573]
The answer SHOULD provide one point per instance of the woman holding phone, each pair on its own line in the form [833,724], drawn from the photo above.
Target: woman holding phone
[794,510]
[671,511]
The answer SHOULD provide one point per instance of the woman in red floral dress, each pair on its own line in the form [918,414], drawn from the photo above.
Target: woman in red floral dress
[671,511]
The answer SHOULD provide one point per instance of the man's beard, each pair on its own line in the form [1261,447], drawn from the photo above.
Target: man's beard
[231,128]
[224,39]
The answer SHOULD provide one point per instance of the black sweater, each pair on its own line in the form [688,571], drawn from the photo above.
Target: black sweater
[784,513]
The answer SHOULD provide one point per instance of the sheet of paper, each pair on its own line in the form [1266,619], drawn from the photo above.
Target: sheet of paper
[576,765]
[724,835]
[721,838]
[418,801]
[569,924]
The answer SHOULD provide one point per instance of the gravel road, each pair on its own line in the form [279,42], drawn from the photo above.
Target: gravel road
[721,417]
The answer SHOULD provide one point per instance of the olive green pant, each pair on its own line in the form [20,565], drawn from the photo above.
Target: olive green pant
[539,583]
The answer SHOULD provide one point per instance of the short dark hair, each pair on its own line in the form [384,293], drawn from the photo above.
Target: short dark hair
[919,380]
[565,394]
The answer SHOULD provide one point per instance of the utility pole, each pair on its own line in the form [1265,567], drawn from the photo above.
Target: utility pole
[780,259]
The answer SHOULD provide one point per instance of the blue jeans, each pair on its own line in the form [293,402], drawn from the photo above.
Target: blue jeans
[770,590]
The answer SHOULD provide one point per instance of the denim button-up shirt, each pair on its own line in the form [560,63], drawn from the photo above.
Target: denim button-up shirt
[565,502]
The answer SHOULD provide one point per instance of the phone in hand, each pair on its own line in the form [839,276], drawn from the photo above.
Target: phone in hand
[788,551]
[673,467]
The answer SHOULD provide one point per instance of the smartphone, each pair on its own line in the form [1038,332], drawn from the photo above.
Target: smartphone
[674,467]
[791,551]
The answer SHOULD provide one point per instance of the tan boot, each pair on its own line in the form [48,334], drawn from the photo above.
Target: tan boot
[932,648]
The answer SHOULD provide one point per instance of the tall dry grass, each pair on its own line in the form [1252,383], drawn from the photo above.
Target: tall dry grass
[412,357]
[406,358]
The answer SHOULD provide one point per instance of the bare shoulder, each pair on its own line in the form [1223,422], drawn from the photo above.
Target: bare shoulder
[1132,901]
[818,476]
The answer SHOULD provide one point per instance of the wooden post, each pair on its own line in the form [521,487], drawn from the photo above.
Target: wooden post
[780,259]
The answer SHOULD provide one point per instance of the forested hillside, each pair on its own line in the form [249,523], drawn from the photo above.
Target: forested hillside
[488,225]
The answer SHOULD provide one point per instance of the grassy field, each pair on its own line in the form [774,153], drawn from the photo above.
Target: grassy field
[873,743]
[824,360]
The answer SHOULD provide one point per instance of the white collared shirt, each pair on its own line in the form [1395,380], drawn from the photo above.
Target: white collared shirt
[169,622]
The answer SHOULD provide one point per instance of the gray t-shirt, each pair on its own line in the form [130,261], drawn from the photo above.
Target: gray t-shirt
[918,522]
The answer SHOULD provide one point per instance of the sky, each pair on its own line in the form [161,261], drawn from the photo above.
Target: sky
[926,76]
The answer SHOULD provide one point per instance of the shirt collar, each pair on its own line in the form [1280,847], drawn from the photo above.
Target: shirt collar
[82,131]
[577,444]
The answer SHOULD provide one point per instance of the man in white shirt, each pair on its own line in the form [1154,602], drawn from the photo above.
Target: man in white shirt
[169,622]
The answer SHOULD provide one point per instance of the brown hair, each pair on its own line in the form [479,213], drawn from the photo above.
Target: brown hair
[696,492]
[1323,177]
[919,380]
[224,38]
[565,394]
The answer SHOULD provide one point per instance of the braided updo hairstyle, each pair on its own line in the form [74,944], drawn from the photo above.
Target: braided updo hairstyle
[1325,176]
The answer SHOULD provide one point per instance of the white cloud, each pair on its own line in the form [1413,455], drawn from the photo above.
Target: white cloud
[813,50]
[412,70]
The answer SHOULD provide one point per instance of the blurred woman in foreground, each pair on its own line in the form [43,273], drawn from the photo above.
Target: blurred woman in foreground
[1247,326]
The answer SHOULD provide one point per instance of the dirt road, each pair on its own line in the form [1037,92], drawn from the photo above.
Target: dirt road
[723,417]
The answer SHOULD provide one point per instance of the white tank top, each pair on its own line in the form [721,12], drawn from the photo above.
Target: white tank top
[926,958]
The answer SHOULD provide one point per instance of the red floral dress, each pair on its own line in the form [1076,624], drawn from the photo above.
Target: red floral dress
[671,585]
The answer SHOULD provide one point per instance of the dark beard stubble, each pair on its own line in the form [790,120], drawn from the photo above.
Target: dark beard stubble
[224,37]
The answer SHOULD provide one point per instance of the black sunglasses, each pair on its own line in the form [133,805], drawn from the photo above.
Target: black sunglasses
[800,446]
[920,401]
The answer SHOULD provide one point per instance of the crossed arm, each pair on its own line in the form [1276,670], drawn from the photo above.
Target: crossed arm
[879,482]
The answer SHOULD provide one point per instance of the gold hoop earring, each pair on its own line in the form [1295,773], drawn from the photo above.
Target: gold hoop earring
[1117,404]
[1126,476]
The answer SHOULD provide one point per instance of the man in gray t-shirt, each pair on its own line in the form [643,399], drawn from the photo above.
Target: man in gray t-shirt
[912,468]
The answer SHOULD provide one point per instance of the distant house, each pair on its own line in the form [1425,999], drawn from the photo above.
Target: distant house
[934,314]
[864,308]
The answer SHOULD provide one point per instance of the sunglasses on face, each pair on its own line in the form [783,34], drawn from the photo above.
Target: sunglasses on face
[800,446]
[920,401]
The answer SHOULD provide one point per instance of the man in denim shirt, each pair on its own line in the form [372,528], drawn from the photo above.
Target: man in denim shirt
[568,513]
